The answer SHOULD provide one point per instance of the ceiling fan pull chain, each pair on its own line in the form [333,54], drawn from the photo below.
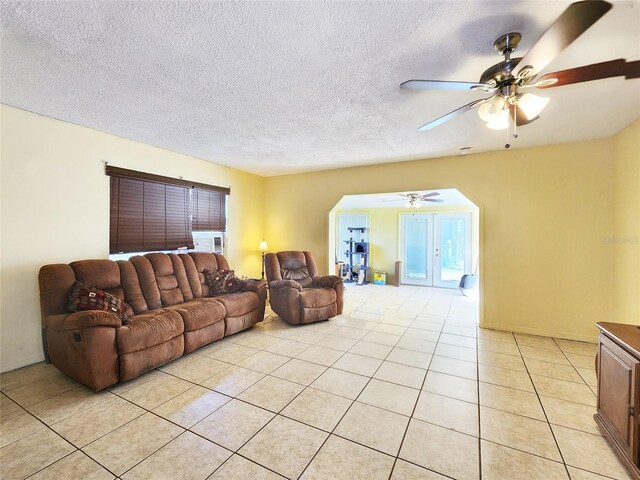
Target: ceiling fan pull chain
[507,145]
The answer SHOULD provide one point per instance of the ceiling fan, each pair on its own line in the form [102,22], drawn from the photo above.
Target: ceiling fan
[414,199]
[508,80]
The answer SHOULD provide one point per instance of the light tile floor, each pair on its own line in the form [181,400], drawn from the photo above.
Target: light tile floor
[403,385]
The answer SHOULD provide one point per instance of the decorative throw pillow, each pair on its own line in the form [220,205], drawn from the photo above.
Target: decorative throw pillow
[83,297]
[222,281]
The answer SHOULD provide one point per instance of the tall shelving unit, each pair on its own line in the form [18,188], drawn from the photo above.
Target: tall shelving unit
[357,253]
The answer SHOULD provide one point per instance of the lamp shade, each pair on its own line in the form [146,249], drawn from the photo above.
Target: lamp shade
[491,110]
[263,247]
[501,122]
[531,105]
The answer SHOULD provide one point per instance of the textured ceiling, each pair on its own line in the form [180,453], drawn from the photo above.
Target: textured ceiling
[284,87]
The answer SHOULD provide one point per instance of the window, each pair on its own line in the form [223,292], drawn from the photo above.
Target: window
[152,213]
[208,210]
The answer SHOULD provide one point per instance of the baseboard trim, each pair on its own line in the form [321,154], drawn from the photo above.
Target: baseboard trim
[541,332]
[23,362]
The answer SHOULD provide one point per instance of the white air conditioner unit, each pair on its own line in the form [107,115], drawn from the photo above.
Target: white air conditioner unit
[208,242]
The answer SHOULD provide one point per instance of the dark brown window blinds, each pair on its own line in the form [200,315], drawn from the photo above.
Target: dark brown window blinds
[209,210]
[149,212]
[148,216]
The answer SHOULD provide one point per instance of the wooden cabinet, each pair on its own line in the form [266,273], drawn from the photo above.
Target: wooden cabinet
[618,415]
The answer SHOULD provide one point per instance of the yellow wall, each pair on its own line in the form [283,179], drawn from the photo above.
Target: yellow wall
[544,212]
[55,208]
[384,234]
[625,237]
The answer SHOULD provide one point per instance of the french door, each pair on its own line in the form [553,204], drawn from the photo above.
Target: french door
[435,248]
[416,247]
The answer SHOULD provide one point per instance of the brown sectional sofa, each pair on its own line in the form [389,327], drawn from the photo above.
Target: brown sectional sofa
[171,313]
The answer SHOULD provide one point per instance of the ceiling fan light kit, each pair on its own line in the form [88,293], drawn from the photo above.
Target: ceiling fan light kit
[508,105]
[491,109]
[500,121]
[532,105]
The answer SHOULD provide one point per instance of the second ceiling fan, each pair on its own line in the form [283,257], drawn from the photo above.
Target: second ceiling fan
[413,199]
[510,79]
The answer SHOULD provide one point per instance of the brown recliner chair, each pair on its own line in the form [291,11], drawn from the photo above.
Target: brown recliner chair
[296,292]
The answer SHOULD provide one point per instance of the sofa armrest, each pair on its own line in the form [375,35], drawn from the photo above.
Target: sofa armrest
[253,285]
[327,281]
[276,284]
[85,319]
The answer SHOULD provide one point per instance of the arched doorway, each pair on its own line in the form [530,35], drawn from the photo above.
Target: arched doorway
[436,242]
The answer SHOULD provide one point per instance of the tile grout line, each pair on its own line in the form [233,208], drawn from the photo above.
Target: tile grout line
[478,398]
[345,414]
[419,395]
[395,460]
[535,389]
[348,409]
[279,413]
[59,460]
[275,416]
[56,433]
[572,365]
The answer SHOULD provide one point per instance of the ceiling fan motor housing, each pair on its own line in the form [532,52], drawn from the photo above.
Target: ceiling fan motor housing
[500,72]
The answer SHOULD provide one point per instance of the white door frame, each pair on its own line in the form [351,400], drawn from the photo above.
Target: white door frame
[437,253]
[428,280]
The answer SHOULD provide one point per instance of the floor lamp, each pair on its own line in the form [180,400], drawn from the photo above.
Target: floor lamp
[263,247]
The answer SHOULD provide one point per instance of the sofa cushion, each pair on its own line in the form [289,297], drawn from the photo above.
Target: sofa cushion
[192,274]
[147,281]
[317,297]
[148,329]
[293,265]
[131,287]
[207,261]
[83,297]
[199,313]
[238,303]
[171,278]
[100,273]
[222,281]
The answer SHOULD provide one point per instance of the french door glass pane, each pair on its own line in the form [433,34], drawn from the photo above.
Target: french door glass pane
[416,248]
[452,248]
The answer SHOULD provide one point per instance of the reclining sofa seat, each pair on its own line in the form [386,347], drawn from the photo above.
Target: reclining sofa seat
[170,314]
[297,293]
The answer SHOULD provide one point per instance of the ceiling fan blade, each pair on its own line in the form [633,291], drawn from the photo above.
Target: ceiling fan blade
[573,22]
[450,115]
[587,73]
[436,200]
[444,85]
[427,195]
